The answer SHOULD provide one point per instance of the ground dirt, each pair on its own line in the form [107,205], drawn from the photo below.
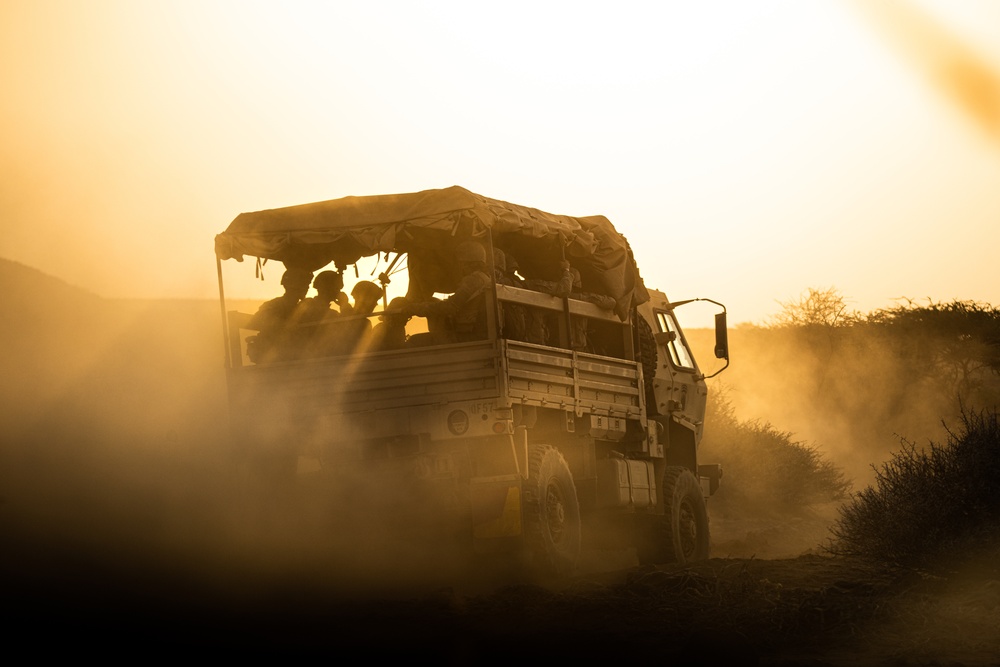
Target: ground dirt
[185,576]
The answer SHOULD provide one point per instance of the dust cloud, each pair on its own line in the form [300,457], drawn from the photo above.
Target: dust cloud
[116,444]
[120,487]
[123,519]
[853,400]
[821,406]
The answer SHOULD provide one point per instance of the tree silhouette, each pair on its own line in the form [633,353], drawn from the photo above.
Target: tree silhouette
[814,307]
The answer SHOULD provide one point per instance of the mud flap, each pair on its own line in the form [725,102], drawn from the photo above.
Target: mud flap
[496,511]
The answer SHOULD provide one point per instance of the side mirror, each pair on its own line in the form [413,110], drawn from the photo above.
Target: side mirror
[665,337]
[721,337]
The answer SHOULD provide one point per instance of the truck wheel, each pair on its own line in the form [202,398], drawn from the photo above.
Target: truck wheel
[680,535]
[551,512]
[647,357]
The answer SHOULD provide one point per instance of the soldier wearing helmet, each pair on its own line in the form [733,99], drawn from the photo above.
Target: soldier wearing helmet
[273,317]
[581,338]
[540,323]
[312,316]
[329,287]
[513,316]
[390,332]
[570,285]
[354,332]
[366,295]
[296,283]
[462,316]
[471,252]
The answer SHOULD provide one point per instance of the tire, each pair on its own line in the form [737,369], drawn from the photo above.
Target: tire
[648,359]
[680,535]
[551,513]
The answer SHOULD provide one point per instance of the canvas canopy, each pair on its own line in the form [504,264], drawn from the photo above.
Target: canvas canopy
[426,223]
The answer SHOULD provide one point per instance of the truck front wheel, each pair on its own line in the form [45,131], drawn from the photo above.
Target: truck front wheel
[680,535]
[551,512]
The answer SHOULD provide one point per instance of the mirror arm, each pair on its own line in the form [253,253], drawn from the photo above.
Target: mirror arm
[721,332]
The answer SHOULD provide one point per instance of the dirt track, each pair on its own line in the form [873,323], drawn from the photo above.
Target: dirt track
[288,596]
[808,610]
[103,542]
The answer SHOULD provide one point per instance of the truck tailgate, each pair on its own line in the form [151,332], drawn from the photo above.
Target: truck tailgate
[403,378]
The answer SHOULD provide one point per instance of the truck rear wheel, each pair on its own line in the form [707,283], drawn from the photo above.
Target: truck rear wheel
[551,512]
[680,535]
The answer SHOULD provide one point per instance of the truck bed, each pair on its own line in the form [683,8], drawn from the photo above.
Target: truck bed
[382,385]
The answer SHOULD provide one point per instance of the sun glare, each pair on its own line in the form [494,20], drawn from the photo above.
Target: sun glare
[752,131]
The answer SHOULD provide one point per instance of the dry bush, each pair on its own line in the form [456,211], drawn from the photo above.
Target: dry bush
[929,503]
[765,468]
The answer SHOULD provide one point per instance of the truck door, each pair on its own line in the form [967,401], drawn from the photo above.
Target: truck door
[678,386]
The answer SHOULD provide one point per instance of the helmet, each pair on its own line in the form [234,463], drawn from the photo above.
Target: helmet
[397,309]
[397,305]
[470,251]
[296,277]
[366,289]
[328,281]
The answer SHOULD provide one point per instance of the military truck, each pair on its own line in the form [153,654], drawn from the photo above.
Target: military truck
[559,410]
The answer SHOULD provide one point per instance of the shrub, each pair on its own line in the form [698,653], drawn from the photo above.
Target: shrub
[764,468]
[928,503]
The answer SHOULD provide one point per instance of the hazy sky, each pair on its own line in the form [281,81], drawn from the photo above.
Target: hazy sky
[748,150]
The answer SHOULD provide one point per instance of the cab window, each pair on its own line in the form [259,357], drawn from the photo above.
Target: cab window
[680,356]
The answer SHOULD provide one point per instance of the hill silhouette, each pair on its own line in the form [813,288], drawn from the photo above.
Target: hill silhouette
[37,307]
[43,325]
[25,287]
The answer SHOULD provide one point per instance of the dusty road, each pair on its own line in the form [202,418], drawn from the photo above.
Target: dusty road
[112,579]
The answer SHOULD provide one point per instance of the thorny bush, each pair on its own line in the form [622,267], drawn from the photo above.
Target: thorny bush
[927,504]
[764,468]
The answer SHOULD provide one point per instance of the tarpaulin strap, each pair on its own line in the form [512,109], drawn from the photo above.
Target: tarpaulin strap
[258,271]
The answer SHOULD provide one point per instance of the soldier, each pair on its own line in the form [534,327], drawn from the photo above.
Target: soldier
[580,330]
[460,317]
[273,317]
[514,317]
[313,316]
[511,271]
[568,285]
[539,322]
[354,334]
[329,287]
[366,295]
[390,332]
